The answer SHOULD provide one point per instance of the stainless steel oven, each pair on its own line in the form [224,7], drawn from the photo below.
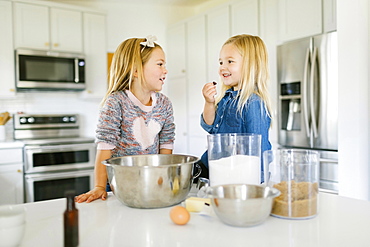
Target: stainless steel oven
[56,158]
[45,186]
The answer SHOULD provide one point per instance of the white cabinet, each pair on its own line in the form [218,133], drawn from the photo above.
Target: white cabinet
[176,84]
[218,31]
[11,176]
[329,15]
[7,85]
[95,40]
[300,18]
[244,17]
[47,28]
[197,76]
[66,30]
[176,40]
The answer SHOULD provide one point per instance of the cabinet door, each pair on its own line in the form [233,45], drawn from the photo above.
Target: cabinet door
[330,15]
[7,88]
[31,25]
[300,18]
[176,47]
[178,96]
[176,83]
[244,17]
[197,77]
[95,55]
[218,31]
[66,30]
[11,178]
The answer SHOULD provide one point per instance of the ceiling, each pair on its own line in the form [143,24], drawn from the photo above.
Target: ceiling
[161,2]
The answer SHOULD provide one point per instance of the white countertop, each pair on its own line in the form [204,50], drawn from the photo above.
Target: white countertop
[341,222]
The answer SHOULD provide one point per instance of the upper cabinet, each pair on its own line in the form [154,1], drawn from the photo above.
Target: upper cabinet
[244,17]
[176,38]
[66,30]
[300,18]
[95,55]
[47,28]
[218,31]
[7,88]
[330,15]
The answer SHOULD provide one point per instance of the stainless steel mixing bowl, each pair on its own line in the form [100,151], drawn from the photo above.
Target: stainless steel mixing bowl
[242,204]
[153,180]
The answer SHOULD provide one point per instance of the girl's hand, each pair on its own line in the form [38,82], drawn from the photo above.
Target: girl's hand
[209,91]
[92,195]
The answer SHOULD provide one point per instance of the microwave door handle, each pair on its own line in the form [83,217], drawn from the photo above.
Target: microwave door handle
[312,96]
[304,92]
[77,75]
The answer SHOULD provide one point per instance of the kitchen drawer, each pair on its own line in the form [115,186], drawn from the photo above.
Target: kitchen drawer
[11,155]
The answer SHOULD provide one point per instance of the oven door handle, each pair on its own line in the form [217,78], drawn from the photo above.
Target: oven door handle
[59,148]
[58,175]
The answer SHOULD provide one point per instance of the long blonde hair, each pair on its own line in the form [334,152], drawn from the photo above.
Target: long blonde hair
[255,72]
[128,60]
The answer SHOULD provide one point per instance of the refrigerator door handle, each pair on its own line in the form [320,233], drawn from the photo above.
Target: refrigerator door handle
[304,92]
[312,98]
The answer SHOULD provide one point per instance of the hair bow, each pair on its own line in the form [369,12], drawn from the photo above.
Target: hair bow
[149,41]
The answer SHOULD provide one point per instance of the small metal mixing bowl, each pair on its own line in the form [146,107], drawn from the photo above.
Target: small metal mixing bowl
[242,205]
[152,180]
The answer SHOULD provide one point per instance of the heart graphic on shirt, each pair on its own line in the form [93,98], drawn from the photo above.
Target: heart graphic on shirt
[145,133]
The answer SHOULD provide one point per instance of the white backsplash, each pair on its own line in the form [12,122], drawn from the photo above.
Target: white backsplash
[54,102]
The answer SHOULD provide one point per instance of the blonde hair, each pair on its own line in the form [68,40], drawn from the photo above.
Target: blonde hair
[255,73]
[128,60]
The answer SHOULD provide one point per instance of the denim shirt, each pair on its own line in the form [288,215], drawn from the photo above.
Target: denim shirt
[254,119]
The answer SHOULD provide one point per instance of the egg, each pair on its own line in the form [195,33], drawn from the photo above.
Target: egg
[179,215]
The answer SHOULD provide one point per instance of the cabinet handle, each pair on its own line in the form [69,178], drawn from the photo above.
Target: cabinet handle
[56,44]
[183,71]
[19,170]
[46,43]
[12,90]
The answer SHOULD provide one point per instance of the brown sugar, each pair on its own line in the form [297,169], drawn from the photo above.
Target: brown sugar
[296,199]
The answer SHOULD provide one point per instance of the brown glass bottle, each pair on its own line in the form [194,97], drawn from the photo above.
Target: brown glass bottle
[70,221]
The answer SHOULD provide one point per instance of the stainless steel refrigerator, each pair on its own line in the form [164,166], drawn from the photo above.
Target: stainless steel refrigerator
[308,101]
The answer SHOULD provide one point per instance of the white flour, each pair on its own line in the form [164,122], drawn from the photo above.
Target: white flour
[235,169]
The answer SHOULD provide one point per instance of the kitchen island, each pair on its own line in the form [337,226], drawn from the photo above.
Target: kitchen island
[341,222]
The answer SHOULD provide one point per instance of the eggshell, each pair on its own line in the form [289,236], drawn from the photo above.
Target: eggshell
[179,215]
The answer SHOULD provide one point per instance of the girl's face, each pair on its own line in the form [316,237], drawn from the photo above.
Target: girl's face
[155,70]
[230,69]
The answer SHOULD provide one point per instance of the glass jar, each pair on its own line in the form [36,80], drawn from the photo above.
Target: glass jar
[295,172]
[234,158]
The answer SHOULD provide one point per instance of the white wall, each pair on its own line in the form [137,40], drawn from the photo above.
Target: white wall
[353,113]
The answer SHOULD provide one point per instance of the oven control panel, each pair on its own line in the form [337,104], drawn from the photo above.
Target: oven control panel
[22,121]
[33,126]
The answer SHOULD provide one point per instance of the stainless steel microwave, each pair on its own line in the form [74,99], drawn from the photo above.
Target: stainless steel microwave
[48,70]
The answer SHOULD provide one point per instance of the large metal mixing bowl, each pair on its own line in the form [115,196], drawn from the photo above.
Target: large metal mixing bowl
[153,180]
[242,204]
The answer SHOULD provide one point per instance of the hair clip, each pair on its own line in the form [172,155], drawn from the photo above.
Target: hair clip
[149,41]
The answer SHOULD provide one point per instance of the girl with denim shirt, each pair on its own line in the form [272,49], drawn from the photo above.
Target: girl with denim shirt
[135,118]
[243,105]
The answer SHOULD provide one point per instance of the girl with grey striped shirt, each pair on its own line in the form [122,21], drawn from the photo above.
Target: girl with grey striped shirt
[135,117]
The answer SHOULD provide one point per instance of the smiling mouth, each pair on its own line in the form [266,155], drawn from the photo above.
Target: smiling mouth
[162,79]
[226,75]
